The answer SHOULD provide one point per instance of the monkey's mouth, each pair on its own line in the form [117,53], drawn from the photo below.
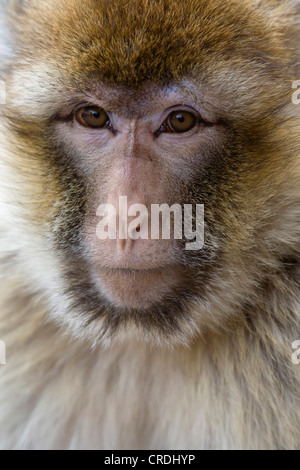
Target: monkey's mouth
[132,271]
[136,288]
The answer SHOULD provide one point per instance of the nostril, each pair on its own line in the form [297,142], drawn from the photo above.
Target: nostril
[124,246]
[138,229]
[121,244]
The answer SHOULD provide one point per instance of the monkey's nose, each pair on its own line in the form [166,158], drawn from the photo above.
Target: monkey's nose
[124,246]
[128,234]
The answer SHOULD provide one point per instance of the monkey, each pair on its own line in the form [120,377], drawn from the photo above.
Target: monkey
[140,343]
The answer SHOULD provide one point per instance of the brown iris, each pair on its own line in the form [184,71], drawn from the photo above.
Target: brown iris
[92,116]
[181,121]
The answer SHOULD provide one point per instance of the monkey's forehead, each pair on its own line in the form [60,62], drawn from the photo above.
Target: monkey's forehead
[128,42]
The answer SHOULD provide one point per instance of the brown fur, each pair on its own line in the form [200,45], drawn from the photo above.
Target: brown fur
[227,380]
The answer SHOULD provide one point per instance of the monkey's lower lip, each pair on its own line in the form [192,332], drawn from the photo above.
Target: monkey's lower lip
[129,271]
[136,288]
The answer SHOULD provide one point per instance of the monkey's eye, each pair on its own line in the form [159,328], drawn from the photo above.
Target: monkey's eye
[181,121]
[92,116]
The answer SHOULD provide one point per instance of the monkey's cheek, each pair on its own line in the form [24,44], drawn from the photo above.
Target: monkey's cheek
[136,289]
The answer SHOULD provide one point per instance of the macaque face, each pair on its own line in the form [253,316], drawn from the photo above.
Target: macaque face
[159,119]
[141,143]
[144,145]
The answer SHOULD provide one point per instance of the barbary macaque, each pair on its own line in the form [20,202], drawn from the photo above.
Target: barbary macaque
[137,342]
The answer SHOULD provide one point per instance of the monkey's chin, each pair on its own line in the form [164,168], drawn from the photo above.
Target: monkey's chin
[136,289]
